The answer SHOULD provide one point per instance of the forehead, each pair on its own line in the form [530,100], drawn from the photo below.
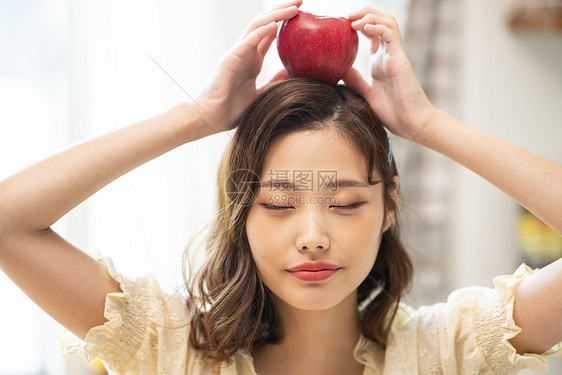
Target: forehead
[323,152]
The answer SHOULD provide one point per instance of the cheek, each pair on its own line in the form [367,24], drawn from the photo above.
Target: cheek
[267,252]
[362,241]
[264,240]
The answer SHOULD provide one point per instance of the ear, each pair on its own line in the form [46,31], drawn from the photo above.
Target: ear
[390,212]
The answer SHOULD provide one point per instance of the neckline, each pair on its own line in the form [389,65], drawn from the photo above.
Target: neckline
[364,353]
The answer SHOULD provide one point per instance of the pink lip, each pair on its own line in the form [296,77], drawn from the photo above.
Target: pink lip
[314,271]
[316,266]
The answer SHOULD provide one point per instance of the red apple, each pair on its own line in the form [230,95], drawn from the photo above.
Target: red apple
[323,48]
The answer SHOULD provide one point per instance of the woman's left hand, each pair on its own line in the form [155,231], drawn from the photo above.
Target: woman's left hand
[395,94]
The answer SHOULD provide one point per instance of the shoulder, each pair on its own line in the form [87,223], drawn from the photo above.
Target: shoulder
[145,328]
[468,333]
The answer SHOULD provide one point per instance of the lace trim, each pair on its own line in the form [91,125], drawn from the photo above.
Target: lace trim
[117,340]
[496,310]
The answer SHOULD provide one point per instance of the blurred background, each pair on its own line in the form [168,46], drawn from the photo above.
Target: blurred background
[72,70]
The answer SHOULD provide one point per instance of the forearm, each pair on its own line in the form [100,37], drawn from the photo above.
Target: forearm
[39,195]
[531,180]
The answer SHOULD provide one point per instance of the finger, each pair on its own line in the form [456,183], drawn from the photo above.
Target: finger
[254,39]
[250,43]
[280,76]
[264,45]
[283,12]
[354,80]
[376,19]
[366,10]
[387,35]
[266,42]
[287,4]
[373,35]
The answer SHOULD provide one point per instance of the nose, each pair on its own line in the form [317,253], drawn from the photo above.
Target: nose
[312,234]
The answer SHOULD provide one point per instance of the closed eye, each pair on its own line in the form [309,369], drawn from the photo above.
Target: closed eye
[350,206]
[279,208]
[273,207]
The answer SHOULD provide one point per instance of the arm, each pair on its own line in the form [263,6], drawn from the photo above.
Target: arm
[65,282]
[536,183]
[531,180]
[537,310]
[38,196]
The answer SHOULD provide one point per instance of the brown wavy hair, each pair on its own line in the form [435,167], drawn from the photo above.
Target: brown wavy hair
[231,307]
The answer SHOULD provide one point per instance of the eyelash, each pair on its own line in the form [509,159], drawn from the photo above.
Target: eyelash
[279,208]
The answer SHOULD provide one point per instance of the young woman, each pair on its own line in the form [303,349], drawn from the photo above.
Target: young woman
[305,268]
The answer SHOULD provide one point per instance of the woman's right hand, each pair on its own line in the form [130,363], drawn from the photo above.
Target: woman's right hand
[233,84]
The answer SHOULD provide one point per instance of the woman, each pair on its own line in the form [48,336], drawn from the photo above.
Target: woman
[307,264]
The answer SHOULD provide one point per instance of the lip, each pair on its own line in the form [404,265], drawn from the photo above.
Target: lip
[316,266]
[314,271]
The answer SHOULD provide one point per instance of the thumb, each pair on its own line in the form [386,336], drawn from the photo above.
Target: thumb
[354,80]
[280,76]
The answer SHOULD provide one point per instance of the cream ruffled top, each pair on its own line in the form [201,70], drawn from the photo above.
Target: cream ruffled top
[146,333]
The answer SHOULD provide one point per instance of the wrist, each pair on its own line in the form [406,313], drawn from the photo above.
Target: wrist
[192,120]
[425,127]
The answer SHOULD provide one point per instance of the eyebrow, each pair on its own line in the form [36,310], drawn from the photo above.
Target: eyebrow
[345,183]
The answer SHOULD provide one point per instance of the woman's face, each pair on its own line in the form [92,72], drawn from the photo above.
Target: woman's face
[290,226]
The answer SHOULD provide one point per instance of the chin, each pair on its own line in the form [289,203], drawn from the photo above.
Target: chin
[314,300]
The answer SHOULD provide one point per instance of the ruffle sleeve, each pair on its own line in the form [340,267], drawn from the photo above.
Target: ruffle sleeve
[146,331]
[494,326]
[468,334]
